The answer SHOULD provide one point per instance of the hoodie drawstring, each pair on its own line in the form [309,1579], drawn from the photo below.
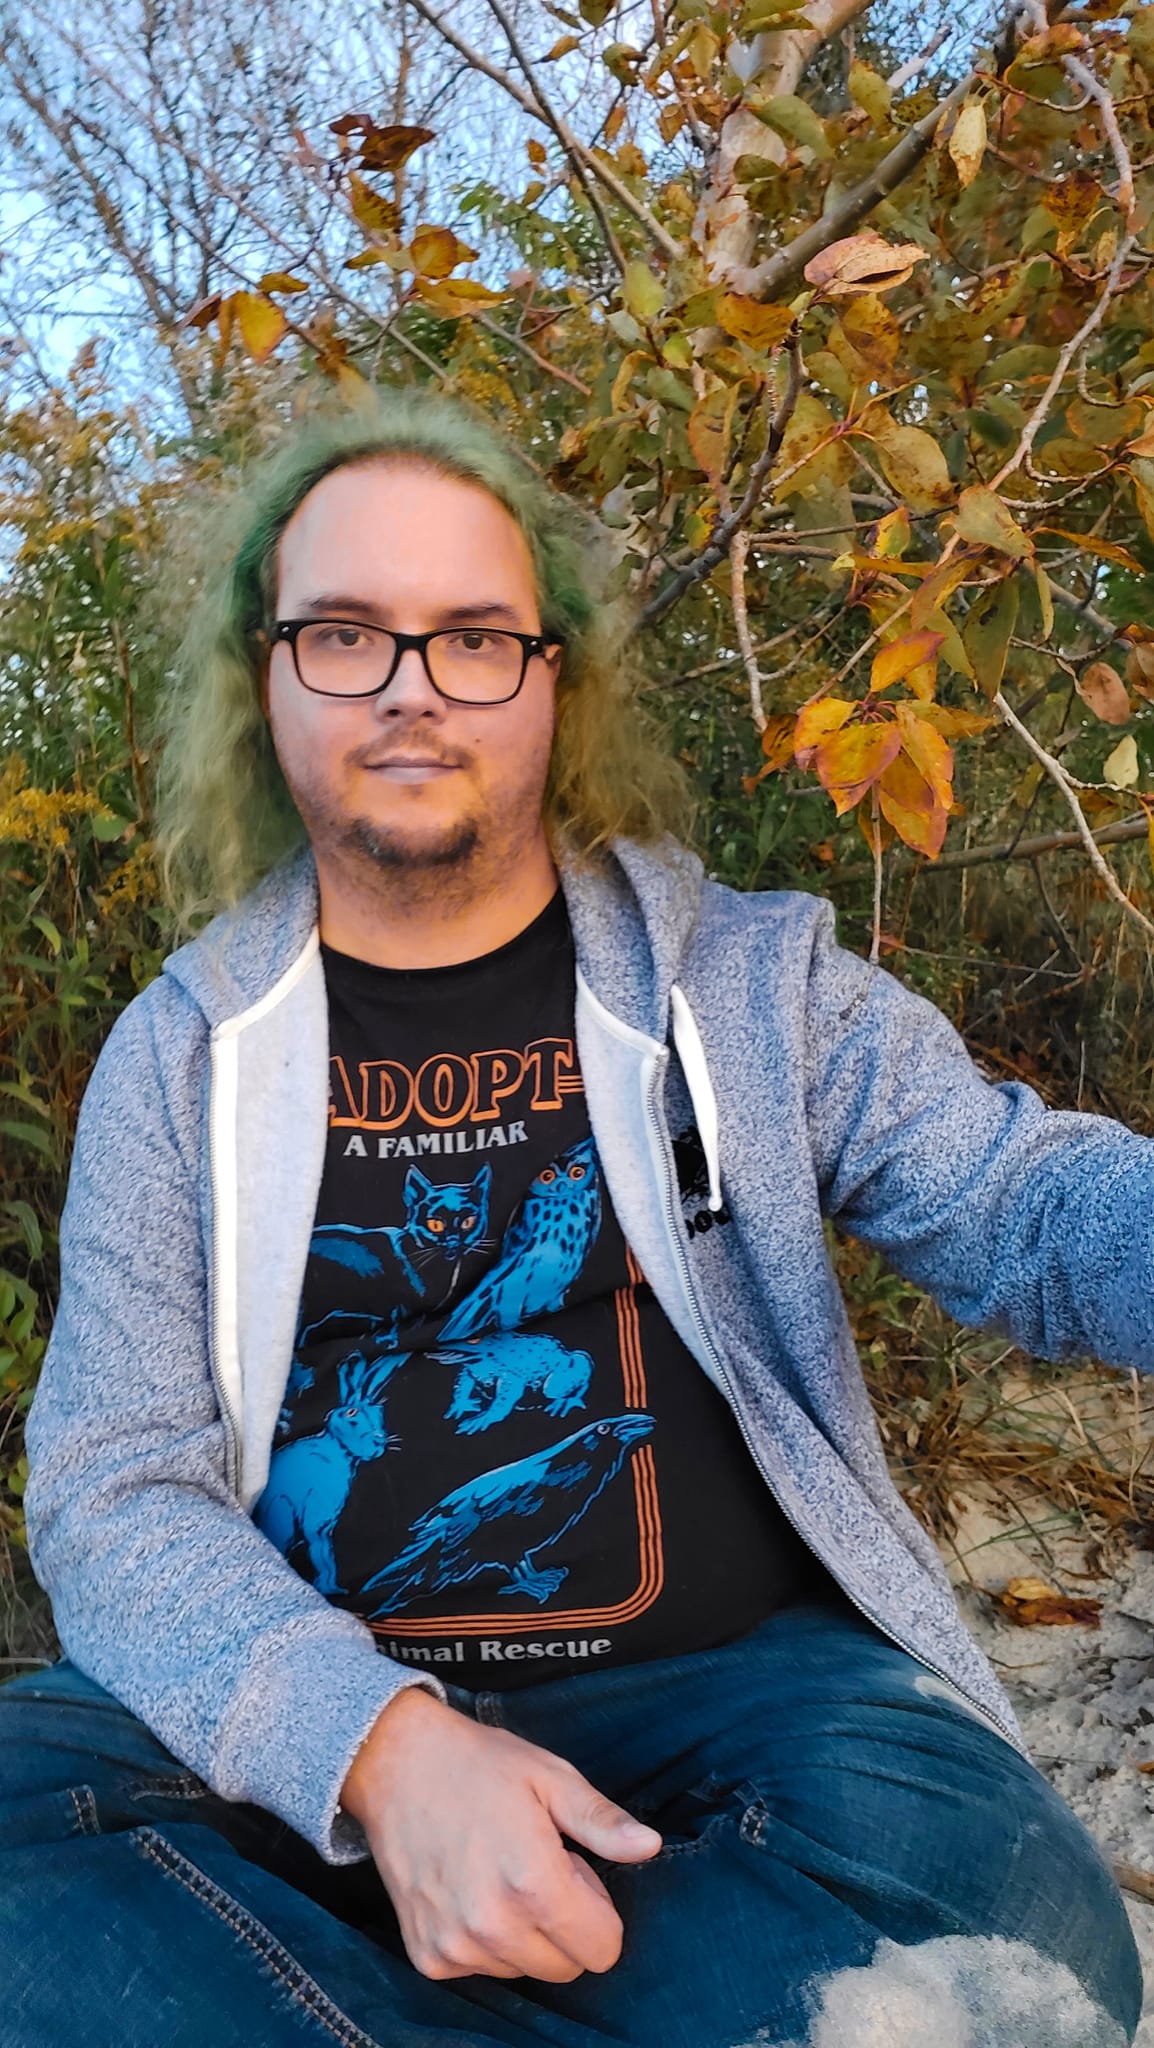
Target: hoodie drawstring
[691,1053]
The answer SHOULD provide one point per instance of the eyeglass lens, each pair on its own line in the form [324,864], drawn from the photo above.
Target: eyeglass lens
[469,662]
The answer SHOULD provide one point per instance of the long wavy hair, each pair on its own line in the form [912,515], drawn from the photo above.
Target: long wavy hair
[224,813]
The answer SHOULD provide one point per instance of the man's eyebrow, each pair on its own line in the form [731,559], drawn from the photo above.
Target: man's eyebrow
[338,604]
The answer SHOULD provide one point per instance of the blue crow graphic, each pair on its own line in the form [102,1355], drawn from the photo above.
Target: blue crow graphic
[503,1519]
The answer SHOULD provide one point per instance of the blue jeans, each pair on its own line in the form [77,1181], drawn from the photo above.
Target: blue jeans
[852,1857]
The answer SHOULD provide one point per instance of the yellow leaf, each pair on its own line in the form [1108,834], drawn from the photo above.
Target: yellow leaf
[261,324]
[895,661]
[893,536]
[536,152]
[862,263]
[456,297]
[751,321]
[1093,544]
[869,91]
[982,517]
[670,122]
[561,48]
[967,144]
[1121,767]
[1045,600]
[911,461]
[281,281]
[815,722]
[376,214]
[928,750]
[851,760]
[873,334]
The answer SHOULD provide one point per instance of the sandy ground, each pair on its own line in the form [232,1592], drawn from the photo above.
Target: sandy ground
[1085,1696]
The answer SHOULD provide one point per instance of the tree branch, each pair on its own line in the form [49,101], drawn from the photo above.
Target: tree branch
[1065,784]
[716,549]
[573,146]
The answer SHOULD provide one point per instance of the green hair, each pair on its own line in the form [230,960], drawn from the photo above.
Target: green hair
[224,814]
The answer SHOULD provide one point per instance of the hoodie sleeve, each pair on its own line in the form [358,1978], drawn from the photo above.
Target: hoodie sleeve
[162,1587]
[1032,1221]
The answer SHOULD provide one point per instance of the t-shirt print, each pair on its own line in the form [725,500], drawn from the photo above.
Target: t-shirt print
[493,1445]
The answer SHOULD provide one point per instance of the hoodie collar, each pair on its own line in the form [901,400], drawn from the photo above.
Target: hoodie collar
[632,916]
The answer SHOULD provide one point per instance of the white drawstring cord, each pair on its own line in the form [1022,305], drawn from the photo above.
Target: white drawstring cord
[691,1053]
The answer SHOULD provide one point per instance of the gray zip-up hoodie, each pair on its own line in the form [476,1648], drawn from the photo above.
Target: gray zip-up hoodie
[820,1088]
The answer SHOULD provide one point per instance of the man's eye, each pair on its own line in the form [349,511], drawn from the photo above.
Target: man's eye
[473,641]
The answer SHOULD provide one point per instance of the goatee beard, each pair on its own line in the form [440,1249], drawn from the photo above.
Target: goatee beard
[395,855]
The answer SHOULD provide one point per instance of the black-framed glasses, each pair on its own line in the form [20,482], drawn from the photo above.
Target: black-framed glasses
[466,664]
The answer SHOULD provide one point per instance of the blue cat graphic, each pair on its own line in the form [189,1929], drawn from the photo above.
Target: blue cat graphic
[502,1520]
[507,1371]
[442,1226]
[543,1249]
[309,1479]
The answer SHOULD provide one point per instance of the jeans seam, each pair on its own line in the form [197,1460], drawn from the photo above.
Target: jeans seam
[295,1979]
[84,1804]
[187,1786]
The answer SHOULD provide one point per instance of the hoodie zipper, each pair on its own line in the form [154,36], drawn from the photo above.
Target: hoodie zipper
[223,1399]
[676,1234]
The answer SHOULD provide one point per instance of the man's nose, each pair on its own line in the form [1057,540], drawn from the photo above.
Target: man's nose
[410,691]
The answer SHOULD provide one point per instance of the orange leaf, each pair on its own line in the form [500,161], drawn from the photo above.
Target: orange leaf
[386,149]
[1031,1602]
[862,263]
[939,585]
[435,251]
[815,722]
[895,661]
[708,429]
[777,740]
[1102,690]
[908,802]
[850,761]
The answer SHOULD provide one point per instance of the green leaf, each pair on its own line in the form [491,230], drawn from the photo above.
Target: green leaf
[28,1134]
[45,925]
[107,826]
[595,12]
[795,120]
[25,1215]
[643,293]
[982,517]
[986,633]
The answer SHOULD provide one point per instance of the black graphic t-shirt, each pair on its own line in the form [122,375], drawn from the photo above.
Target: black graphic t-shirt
[494,1446]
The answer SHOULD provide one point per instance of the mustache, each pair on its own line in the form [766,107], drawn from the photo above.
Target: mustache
[371,756]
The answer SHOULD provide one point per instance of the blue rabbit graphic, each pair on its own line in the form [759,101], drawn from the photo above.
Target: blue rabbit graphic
[310,1479]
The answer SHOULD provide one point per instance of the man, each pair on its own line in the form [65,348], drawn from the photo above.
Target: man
[488,1615]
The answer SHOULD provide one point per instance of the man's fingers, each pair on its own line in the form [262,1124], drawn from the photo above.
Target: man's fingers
[589,1818]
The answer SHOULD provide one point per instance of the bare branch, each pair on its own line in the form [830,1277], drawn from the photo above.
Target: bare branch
[573,146]
[737,557]
[1032,849]
[715,550]
[1065,783]
[1070,349]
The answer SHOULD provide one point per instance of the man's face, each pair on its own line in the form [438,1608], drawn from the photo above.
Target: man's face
[406,779]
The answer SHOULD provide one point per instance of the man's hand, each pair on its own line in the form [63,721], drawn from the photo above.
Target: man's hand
[465,1824]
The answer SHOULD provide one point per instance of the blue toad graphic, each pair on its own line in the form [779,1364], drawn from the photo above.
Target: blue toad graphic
[442,1226]
[543,1249]
[506,1371]
[500,1521]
